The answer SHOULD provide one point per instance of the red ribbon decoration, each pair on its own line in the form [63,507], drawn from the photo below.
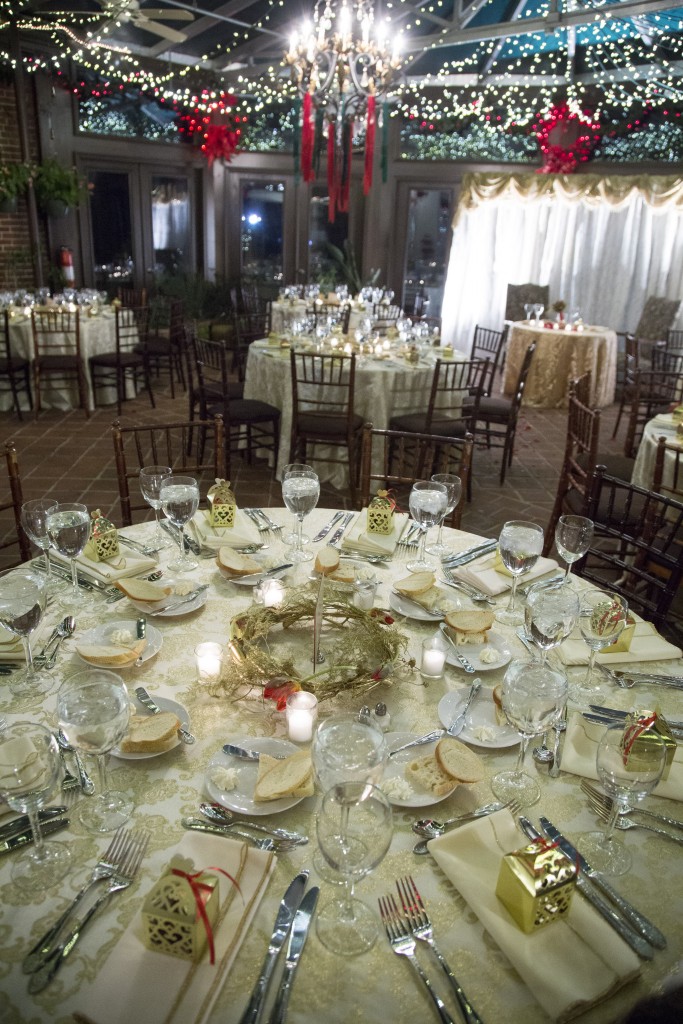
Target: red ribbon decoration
[307,139]
[219,143]
[197,888]
[632,732]
[371,125]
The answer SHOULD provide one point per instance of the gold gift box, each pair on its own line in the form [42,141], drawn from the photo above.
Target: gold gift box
[623,644]
[172,922]
[536,884]
[655,725]
[499,565]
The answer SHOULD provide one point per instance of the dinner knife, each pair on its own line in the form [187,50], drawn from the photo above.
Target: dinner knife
[470,555]
[458,722]
[297,941]
[646,928]
[326,529]
[620,715]
[20,824]
[183,600]
[285,915]
[589,892]
[462,660]
[266,574]
[348,516]
[26,837]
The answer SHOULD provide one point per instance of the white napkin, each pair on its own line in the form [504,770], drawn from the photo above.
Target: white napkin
[481,574]
[581,746]
[646,645]
[11,646]
[358,538]
[119,568]
[136,984]
[571,964]
[241,535]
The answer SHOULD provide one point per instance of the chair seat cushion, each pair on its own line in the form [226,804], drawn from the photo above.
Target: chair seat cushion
[416,423]
[247,410]
[110,359]
[312,424]
[214,392]
[494,409]
[157,347]
[17,364]
[57,363]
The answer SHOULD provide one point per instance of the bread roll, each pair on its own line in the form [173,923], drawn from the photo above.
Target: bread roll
[235,563]
[291,777]
[458,761]
[143,590]
[470,626]
[111,654]
[416,584]
[426,773]
[151,734]
[327,560]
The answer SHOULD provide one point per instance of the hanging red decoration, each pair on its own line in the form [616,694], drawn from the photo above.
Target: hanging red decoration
[220,143]
[566,139]
[307,138]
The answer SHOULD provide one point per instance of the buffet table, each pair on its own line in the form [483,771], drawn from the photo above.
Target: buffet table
[377,986]
[561,356]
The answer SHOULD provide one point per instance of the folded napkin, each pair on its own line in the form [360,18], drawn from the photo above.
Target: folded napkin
[241,535]
[119,568]
[137,984]
[482,575]
[646,645]
[358,538]
[581,745]
[569,965]
[11,646]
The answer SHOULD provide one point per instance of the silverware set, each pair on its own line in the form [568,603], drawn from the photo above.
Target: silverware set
[604,808]
[410,539]
[218,821]
[475,595]
[429,828]
[263,522]
[599,799]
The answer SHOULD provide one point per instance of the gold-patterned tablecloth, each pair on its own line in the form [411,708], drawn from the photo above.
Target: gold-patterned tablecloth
[378,986]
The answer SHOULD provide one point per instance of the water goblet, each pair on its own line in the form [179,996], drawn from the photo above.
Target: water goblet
[23,596]
[93,712]
[34,523]
[453,486]
[533,699]
[300,493]
[180,500]
[629,767]
[289,539]
[428,503]
[550,615]
[151,478]
[30,771]
[602,619]
[520,545]
[354,829]
[69,528]
[573,536]
[539,310]
[528,310]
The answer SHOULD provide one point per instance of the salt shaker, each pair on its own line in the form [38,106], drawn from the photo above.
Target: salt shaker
[382,716]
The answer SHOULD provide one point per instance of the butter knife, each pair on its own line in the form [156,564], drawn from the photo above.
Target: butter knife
[643,926]
[326,529]
[458,722]
[22,823]
[297,941]
[26,837]
[336,536]
[183,600]
[462,660]
[285,915]
[151,705]
[429,737]
[588,890]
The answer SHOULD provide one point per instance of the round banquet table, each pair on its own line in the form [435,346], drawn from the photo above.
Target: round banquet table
[561,356]
[644,466]
[373,987]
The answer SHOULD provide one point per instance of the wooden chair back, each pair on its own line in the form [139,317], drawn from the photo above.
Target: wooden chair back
[488,344]
[11,534]
[133,296]
[323,386]
[336,314]
[131,328]
[667,478]
[56,332]
[653,391]
[248,327]
[457,387]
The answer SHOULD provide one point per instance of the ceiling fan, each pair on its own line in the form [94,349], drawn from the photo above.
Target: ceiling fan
[148,18]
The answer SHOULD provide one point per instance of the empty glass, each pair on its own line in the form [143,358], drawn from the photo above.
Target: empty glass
[151,478]
[428,503]
[528,310]
[601,620]
[34,523]
[69,528]
[539,310]
[520,545]
[180,500]
[573,536]
[453,486]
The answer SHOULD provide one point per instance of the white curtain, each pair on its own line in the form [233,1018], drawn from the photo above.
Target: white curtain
[602,259]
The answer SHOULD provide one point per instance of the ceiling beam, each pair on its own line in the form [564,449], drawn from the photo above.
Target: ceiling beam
[203,24]
[495,52]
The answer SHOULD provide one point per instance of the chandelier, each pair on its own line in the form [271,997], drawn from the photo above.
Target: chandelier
[342,65]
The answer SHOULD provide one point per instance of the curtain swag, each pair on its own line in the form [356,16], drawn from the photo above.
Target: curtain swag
[659,191]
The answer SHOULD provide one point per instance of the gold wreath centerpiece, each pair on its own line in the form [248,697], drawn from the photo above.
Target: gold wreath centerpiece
[368,642]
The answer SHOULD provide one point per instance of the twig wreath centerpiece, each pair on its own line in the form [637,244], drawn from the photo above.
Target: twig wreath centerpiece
[367,643]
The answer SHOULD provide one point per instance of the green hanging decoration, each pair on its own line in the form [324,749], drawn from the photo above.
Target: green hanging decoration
[385,142]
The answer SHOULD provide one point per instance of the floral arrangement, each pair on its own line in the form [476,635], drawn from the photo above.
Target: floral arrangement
[559,306]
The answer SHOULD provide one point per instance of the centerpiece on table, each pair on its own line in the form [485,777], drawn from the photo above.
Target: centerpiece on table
[559,308]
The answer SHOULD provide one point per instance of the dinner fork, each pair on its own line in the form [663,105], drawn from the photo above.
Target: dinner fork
[608,804]
[275,527]
[403,944]
[122,877]
[417,919]
[256,520]
[624,824]
[472,592]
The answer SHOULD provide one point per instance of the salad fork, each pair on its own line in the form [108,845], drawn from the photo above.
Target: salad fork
[607,802]
[624,824]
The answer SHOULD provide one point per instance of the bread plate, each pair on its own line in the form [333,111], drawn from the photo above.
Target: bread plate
[164,704]
[101,635]
[241,798]
[473,653]
[412,610]
[183,608]
[394,768]
[481,713]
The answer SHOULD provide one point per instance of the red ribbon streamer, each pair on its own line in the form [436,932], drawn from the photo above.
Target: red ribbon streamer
[371,125]
[632,732]
[197,888]
[307,139]
[220,143]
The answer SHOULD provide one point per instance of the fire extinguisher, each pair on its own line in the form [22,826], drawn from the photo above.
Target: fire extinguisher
[66,263]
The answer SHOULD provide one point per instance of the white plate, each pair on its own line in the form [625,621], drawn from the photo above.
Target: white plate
[172,613]
[102,635]
[472,652]
[395,766]
[164,704]
[241,799]
[411,610]
[482,712]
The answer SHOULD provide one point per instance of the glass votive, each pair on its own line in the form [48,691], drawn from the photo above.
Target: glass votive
[272,593]
[209,658]
[364,594]
[302,714]
[433,658]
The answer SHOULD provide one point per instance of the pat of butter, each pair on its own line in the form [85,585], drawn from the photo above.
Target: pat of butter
[489,656]
[483,733]
[224,777]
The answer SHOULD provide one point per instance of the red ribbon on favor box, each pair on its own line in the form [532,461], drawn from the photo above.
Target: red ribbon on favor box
[197,888]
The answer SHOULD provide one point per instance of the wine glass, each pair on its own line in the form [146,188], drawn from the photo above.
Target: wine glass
[539,310]
[23,596]
[601,620]
[30,771]
[151,478]
[289,539]
[520,545]
[573,536]
[93,712]
[629,767]
[300,493]
[533,699]
[453,487]
[34,522]
[528,310]
[550,615]
[428,503]
[69,528]
[354,829]
[179,497]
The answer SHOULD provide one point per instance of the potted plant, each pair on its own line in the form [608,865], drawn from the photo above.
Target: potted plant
[14,178]
[58,187]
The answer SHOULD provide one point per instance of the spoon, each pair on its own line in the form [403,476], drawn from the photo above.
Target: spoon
[432,828]
[222,816]
[87,784]
[66,628]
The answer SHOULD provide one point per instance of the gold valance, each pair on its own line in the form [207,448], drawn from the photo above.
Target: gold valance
[659,191]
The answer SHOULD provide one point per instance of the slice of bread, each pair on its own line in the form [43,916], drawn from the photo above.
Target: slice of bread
[344,574]
[426,773]
[416,584]
[458,761]
[143,590]
[497,696]
[326,560]
[470,626]
[277,779]
[151,734]
[236,563]
[111,654]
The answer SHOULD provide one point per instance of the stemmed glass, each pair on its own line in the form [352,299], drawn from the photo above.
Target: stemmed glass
[533,699]
[428,503]
[93,712]
[601,621]
[539,310]
[289,539]
[550,615]
[629,768]
[34,522]
[354,828]
[69,528]
[300,493]
[453,486]
[528,310]
[23,596]
[520,545]
[573,536]
[180,500]
[151,479]
[30,770]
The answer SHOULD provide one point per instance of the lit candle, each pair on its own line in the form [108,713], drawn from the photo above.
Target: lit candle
[364,594]
[272,592]
[433,658]
[386,344]
[378,349]
[347,348]
[209,657]
[301,712]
